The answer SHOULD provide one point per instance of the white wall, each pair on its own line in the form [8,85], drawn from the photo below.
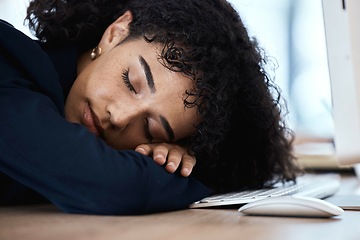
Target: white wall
[14,11]
[292,31]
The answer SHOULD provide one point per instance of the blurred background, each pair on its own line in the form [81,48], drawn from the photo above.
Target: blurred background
[292,32]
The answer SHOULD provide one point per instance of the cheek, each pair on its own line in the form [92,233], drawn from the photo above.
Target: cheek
[75,100]
[103,81]
[104,87]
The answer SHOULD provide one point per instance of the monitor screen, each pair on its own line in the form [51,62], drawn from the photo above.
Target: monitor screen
[341,18]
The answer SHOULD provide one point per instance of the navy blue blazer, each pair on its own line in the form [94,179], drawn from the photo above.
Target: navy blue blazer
[63,161]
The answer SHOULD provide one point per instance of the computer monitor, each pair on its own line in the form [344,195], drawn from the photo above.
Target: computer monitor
[342,33]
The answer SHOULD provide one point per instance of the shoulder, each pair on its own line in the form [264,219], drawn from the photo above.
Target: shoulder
[13,40]
[6,23]
[21,57]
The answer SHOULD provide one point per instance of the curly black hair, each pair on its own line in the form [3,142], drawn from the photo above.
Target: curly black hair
[242,140]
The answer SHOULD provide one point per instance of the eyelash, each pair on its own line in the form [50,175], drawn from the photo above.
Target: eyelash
[125,77]
[147,132]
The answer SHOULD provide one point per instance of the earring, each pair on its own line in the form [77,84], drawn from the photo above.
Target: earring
[95,52]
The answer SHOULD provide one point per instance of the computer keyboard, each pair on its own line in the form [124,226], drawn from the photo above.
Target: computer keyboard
[317,185]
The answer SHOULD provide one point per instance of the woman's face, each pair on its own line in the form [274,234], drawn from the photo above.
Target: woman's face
[127,97]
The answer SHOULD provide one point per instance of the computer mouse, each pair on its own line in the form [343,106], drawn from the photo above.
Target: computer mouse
[293,206]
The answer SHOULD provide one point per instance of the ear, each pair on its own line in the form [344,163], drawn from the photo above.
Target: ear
[116,32]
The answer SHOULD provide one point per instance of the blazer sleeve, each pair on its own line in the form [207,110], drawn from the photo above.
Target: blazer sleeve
[63,161]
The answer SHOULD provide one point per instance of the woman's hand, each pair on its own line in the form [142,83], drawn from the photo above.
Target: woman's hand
[170,154]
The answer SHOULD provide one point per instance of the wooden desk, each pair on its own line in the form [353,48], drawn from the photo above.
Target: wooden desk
[45,222]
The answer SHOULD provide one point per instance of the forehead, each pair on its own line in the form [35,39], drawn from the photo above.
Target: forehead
[171,86]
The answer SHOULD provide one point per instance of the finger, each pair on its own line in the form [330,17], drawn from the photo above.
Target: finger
[160,153]
[174,160]
[187,164]
[143,149]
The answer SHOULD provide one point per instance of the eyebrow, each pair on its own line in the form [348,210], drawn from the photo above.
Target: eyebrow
[148,74]
[150,82]
[168,129]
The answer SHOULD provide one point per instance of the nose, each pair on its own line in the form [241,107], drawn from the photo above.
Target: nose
[121,116]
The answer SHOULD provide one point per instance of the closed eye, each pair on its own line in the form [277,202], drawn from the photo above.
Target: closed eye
[125,77]
[148,135]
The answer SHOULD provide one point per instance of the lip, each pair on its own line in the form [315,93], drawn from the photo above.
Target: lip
[92,121]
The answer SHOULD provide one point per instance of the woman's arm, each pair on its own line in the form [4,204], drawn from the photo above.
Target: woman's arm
[63,161]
